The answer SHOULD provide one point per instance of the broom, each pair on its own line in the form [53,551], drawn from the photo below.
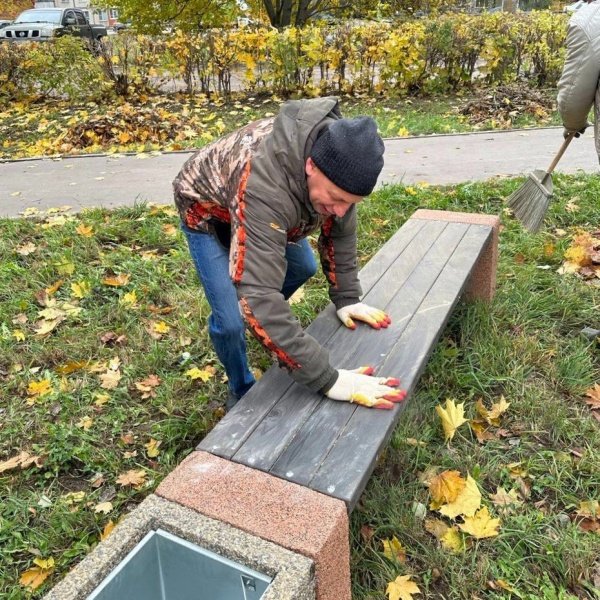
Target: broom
[530,202]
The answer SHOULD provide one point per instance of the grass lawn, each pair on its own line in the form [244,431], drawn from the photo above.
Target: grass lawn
[120,383]
[176,123]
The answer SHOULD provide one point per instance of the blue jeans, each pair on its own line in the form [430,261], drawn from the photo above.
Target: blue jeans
[225,325]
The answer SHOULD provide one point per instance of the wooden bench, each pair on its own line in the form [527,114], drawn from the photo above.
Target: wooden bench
[417,277]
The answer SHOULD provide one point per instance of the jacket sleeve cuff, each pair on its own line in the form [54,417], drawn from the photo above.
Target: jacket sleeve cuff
[333,377]
[342,302]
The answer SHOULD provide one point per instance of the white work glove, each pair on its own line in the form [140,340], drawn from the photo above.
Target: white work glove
[362,312]
[359,387]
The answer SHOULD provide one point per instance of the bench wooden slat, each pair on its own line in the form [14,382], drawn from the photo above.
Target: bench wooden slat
[346,470]
[306,452]
[233,430]
[347,349]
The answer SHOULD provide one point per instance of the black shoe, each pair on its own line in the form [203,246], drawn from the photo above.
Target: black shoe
[232,400]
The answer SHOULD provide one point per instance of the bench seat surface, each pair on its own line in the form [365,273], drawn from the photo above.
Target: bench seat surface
[285,429]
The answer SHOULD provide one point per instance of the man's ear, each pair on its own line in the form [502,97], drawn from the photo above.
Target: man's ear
[309,167]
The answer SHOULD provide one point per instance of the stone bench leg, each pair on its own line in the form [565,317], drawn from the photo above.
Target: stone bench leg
[287,514]
[482,285]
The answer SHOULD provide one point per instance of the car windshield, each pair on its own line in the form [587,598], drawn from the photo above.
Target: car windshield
[39,16]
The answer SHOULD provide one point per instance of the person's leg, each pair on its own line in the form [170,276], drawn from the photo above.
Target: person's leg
[225,325]
[301,266]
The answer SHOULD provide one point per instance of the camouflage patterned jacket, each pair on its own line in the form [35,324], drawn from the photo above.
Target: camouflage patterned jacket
[254,179]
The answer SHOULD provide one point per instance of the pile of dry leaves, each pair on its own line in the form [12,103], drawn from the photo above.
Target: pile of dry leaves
[505,102]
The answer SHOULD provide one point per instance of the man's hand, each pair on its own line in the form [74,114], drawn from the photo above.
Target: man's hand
[576,133]
[359,387]
[361,312]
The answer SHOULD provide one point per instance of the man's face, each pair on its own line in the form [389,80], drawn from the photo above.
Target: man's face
[326,197]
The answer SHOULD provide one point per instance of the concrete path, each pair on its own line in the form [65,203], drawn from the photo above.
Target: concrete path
[112,181]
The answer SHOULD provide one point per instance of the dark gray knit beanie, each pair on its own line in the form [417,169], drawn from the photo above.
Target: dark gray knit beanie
[350,154]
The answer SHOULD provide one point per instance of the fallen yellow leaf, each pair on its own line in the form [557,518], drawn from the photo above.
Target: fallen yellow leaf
[108,528]
[26,249]
[589,509]
[117,280]
[436,527]
[402,588]
[467,502]
[133,477]
[452,540]
[85,423]
[504,498]
[152,448]
[44,327]
[81,289]
[481,525]
[445,487]
[129,299]
[18,335]
[393,550]
[103,507]
[23,460]
[594,396]
[101,399]
[196,373]
[34,577]
[453,416]
[110,379]
[39,388]
[84,230]
[492,416]
[160,327]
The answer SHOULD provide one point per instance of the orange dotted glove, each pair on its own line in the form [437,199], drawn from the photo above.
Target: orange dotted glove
[360,387]
[362,312]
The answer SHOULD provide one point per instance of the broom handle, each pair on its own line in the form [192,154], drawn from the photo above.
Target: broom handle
[559,154]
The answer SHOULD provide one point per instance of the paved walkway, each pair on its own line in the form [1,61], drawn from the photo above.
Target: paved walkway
[112,181]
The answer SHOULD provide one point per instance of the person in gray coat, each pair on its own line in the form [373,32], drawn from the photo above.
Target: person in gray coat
[247,203]
[578,87]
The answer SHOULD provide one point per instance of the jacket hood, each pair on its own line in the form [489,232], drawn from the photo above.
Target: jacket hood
[282,156]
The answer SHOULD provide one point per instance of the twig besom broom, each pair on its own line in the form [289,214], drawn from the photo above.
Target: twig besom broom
[530,202]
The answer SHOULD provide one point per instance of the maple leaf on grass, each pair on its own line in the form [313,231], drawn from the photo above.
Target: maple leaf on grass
[593,395]
[147,386]
[22,460]
[117,280]
[402,588]
[445,488]
[34,577]
[393,550]
[467,502]
[504,499]
[453,416]
[134,477]
[110,379]
[481,525]
[492,416]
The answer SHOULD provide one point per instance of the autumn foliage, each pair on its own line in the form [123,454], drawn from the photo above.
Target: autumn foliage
[439,54]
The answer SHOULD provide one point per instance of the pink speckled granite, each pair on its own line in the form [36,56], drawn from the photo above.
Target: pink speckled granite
[482,285]
[285,513]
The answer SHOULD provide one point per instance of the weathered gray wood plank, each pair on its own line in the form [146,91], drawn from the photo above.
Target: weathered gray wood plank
[346,470]
[232,431]
[303,456]
[282,423]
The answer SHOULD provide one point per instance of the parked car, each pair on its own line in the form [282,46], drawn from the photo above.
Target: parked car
[42,24]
